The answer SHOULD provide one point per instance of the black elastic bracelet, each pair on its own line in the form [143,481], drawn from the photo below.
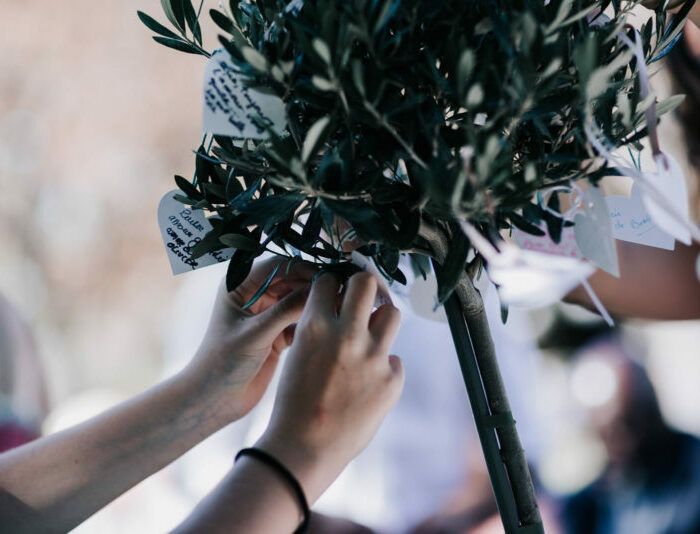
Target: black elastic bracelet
[273,462]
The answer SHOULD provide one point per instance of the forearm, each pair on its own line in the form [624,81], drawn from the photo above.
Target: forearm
[68,476]
[255,499]
[653,284]
[252,499]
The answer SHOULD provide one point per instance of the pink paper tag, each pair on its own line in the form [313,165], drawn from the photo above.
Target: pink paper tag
[566,247]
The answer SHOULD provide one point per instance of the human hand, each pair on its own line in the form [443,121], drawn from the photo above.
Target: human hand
[338,382]
[240,350]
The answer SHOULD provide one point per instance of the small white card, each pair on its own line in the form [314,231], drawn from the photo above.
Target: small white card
[233,109]
[181,228]
[632,222]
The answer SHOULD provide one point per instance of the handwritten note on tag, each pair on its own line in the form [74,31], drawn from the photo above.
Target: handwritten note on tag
[232,108]
[632,222]
[182,228]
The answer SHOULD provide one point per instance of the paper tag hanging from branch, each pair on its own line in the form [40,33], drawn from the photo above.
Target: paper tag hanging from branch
[632,222]
[182,228]
[593,232]
[664,192]
[526,278]
[669,182]
[234,109]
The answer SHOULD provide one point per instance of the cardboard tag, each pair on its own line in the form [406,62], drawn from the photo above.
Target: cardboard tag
[632,222]
[182,228]
[593,232]
[233,109]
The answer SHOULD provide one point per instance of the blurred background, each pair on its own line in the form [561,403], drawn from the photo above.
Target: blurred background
[95,119]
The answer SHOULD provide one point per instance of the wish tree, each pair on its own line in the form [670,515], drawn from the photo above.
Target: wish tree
[468,136]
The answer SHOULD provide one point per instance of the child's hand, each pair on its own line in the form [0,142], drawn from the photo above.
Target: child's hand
[241,348]
[338,382]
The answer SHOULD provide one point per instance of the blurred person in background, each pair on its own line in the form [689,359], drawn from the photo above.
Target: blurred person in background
[23,398]
[651,484]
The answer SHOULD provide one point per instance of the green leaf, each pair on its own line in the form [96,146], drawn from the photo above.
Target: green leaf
[312,228]
[358,77]
[238,269]
[254,58]
[239,241]
[527,227]
[222,21]
[156,26]
[563,11]
[208,244]
[192,20]
[178,44]
[322,83]
[314,138]
[188,188]
[465,67]
[173,10]
[321,48]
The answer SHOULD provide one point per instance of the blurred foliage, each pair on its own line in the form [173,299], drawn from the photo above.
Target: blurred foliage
[403,113]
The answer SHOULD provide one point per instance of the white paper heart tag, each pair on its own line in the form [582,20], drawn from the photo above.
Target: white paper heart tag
[423,299]
[537,279]
[182,228]
[234,109]
[525,277]
[669,183]
[566,247]
[593,232]
[632,222]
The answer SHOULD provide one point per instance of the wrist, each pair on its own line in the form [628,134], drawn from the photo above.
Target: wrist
[213,391]
[315,470]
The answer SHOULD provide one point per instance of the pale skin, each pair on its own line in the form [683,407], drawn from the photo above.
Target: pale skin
[55,483]
[653,284]
[329,405]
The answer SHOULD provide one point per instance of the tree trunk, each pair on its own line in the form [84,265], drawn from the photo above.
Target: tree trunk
[504,455]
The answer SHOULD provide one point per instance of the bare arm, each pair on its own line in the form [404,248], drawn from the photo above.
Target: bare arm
[653,284]
[338,383]
[55,483]
[66,477]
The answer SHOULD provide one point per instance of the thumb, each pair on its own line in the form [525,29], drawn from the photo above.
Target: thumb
[275,319]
